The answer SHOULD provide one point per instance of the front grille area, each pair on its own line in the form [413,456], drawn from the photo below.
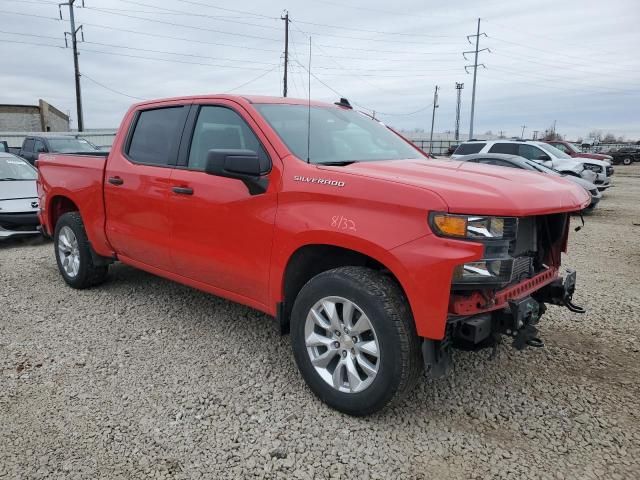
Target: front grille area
[12,221]
[535,238]
[609,171]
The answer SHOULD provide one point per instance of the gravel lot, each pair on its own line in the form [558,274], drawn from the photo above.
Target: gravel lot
[144,378]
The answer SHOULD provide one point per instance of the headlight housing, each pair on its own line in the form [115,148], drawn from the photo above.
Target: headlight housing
[593,167]
[472,227]
[495,233]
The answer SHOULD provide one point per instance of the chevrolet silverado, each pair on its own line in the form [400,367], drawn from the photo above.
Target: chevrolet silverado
[377,260]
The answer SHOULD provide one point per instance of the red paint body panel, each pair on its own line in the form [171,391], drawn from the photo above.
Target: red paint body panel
[227,242]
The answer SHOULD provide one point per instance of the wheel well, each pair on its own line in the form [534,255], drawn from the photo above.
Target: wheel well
[60,206]
[311,260]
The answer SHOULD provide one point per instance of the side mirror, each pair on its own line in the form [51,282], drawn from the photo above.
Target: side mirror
[243,165]
[543,158]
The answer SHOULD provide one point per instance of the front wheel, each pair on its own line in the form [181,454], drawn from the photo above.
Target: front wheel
[627,161]
[73,253]
[354,339]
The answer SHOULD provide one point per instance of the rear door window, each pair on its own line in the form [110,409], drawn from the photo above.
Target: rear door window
[156,136]
[39,146]
[28,145]
[469,148]
[530,152]
[502,147]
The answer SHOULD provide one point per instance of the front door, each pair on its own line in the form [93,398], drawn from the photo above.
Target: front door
[222,234]
[136,186]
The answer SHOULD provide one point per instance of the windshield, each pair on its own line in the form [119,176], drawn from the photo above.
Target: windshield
[542,168]
[337,135]
[553,151]
[71,145]
[14,168]
[575,148]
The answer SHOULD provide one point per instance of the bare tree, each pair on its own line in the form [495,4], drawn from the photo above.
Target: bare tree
[609,138]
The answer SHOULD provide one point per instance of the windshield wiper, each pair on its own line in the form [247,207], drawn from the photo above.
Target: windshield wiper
[341,163]
[8,178]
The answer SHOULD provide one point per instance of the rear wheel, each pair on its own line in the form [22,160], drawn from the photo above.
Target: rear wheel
[354,340]
[74,255]
[627,161]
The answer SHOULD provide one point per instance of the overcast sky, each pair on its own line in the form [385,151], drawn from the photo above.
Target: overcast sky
[575,62]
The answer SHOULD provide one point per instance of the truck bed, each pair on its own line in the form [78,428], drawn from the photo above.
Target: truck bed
[78,177]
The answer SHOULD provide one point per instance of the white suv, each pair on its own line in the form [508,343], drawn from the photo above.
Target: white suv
[594,171]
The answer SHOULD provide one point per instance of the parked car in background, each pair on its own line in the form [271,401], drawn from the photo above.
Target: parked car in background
[377,259]
[4,146]
[574,150]
[451,149]
[514,161]
[594,171]
[34,145]
[18,197]
[625,155]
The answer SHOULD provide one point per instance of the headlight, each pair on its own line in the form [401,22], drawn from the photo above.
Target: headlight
[592,167]
[472,227]
[495,233]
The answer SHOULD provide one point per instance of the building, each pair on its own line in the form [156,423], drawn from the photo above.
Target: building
[33,118]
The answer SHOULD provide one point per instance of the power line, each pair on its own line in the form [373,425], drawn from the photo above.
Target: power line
[117,54]
[171,37]
[30,35]
[34,44]
[179,53]
[30,15]
[202,15]
[111,89]
[254,79]
[191,2]
[193,27]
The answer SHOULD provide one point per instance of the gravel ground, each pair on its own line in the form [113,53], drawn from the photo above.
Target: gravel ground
[144,378]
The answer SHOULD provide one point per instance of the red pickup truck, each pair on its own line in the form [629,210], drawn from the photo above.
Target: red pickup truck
[377,260]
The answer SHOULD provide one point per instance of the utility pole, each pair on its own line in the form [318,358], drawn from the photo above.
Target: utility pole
[535,134]
[76,66]
[459,87]
[475,71]
[433,118]
[286,50]
[522,135]
[501,134]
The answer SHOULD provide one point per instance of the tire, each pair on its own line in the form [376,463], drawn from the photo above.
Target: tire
[627,161]
[75,245]
[380,299]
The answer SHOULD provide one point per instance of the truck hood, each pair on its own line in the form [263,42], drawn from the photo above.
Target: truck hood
[480,189]
[13,189]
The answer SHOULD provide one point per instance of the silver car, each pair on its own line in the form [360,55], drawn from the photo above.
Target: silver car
[18,197]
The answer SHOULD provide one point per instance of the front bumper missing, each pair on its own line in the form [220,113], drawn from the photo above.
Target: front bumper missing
[515,313]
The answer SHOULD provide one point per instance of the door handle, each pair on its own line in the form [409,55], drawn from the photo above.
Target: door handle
[115,181]
[183,190]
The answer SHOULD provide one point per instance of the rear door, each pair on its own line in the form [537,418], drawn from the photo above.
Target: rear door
[26,151]
[222,234]
[136,186]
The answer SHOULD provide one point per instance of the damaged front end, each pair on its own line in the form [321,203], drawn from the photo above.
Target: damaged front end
[506,292]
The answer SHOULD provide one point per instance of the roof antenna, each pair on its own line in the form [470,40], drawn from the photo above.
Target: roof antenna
[309,107]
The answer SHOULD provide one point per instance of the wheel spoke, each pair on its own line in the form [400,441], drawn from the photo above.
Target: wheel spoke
[362,325]
[324,359]
[367,366]
[319,320]
[338,375]
[370,348]
[316,340]
[330,309]
[352,374]
[347,314]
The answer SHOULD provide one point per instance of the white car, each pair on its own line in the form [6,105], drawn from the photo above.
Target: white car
[18,197]
[594,171]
